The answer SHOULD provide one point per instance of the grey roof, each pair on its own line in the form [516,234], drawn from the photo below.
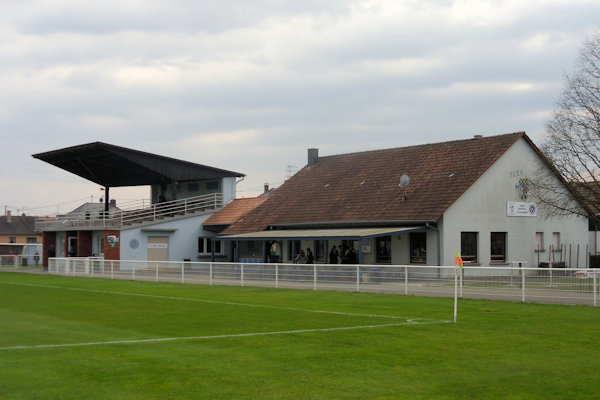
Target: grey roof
[18,225]
[113,166]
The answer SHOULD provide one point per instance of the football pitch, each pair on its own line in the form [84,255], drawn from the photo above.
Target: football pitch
[75,338]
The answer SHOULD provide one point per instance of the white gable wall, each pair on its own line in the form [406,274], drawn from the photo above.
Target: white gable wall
[483,209]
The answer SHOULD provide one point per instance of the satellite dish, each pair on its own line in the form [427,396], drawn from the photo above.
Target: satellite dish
[404,181]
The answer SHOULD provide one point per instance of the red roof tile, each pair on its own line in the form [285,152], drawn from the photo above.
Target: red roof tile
[234,210]
[364,186]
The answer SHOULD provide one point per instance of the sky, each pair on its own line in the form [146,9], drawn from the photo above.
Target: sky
[249,86]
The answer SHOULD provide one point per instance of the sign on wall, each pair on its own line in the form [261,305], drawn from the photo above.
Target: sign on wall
[521,209]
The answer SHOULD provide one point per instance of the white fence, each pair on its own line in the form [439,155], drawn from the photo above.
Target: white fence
[547,285]
[20,260]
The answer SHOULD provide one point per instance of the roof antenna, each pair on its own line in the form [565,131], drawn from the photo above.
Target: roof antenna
[404,180]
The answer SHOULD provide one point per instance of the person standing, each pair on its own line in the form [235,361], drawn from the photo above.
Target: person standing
[333,255]
[310,259]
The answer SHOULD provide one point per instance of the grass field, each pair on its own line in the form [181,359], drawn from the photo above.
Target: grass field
[77,338]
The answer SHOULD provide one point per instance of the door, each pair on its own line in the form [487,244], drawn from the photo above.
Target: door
[158,248]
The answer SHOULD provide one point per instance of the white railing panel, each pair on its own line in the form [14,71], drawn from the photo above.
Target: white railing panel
[542,285]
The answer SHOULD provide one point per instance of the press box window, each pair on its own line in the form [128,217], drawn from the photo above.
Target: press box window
[498,247]
[418,247]
[205,246]
[468,246]
[384,249]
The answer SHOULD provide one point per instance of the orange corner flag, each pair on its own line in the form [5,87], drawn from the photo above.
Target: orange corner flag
[458,260]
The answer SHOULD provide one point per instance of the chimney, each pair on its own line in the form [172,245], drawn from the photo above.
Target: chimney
[313,157]
[266,187]
[8,216]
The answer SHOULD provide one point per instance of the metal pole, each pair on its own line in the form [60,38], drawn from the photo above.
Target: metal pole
[314,276]
[357,278]
[276,275]
[455,293]
[210,273]
[406,280]
[242,274]
[522,284]
[595,291]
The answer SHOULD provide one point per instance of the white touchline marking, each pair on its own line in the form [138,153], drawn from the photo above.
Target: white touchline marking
[224,336]
[219,302]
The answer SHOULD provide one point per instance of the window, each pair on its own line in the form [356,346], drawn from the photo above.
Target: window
[291,247]
[212,185]
[193,187]
[12,239]
[383,245]
[319,247]
[498,247]
[418,247]
[100,244]
[468,246]
[539,241]
[205,246]
[31,240]
[556,241]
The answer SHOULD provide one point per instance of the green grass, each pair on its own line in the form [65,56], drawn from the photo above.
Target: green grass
[496,350]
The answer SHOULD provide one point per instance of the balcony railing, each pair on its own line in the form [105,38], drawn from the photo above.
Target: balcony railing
[119,218]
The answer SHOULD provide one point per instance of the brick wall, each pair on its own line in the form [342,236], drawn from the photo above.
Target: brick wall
[112,253]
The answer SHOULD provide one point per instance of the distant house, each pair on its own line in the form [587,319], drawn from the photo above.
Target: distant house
[18,229]
[415,205]
[16,232]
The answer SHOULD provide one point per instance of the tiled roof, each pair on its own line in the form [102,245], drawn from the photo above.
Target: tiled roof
[17,225]
[364,186]
[234,210]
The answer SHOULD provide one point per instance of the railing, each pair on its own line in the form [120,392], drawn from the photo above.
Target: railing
[547,285]
[119,218]
[17,261]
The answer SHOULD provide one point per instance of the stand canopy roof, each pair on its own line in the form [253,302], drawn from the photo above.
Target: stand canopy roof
[114,166]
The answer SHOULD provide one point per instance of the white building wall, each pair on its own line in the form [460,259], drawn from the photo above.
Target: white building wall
[183,237]
[483,209]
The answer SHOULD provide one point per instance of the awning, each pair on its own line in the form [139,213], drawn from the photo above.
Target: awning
[324,234]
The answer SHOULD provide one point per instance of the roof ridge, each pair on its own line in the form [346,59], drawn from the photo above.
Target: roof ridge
[455,141]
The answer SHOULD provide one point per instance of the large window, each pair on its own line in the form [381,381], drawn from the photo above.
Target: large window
[418,247]
[539,241]
[205,246]
[498,247]
[468,246]
[293,246]
[319,250]
[384,249]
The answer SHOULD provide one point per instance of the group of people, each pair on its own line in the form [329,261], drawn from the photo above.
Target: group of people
[304,257]
[348,256]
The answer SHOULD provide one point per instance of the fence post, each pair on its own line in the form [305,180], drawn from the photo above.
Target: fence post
[358,278]
[183,272]
[595,291]
[276,276]
[522,283]
[210,273]
[133,272]
[406,280]
[314,276]
[461,274]
[156,272]
[241,274]
[112,267]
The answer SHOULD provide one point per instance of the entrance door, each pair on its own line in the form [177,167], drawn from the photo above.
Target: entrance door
[158,248]
[72,249]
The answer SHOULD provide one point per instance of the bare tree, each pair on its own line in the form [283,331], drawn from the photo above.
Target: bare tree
[572,142]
